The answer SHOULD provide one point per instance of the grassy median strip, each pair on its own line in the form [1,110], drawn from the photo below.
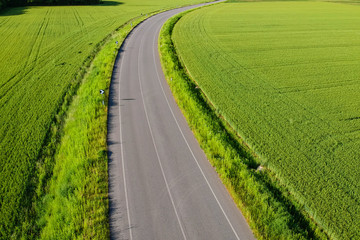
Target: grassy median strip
[271,213]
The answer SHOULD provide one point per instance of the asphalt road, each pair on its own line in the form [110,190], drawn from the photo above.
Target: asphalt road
[161,185]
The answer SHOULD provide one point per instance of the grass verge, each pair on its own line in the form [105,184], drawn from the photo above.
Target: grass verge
[72,194]
[271,212]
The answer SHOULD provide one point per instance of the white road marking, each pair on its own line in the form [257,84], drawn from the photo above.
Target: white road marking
[192,153]
[156,150]
[122,152]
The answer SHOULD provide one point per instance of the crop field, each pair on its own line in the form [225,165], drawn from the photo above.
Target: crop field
[286,77]
[43,49]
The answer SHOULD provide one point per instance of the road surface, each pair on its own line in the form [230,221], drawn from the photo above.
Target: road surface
[161,185]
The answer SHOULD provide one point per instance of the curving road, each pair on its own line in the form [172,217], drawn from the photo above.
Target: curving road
[161,186]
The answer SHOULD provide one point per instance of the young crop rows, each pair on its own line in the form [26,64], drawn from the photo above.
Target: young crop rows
[285,75]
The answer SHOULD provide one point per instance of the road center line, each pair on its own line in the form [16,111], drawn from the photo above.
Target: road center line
[192,153]
[153,140]
[122,147]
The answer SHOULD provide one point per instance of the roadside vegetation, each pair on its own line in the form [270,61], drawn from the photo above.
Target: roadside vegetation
[75,204]
[45,54]
[282,78]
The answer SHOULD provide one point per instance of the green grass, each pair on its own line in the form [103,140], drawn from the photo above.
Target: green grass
[45,52]
[76,204]
[285,76]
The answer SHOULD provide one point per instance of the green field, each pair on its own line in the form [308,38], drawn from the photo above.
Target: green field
[44,54]
[285,75]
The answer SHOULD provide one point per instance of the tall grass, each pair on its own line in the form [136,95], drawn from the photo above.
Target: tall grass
[270,212]
[76,204]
